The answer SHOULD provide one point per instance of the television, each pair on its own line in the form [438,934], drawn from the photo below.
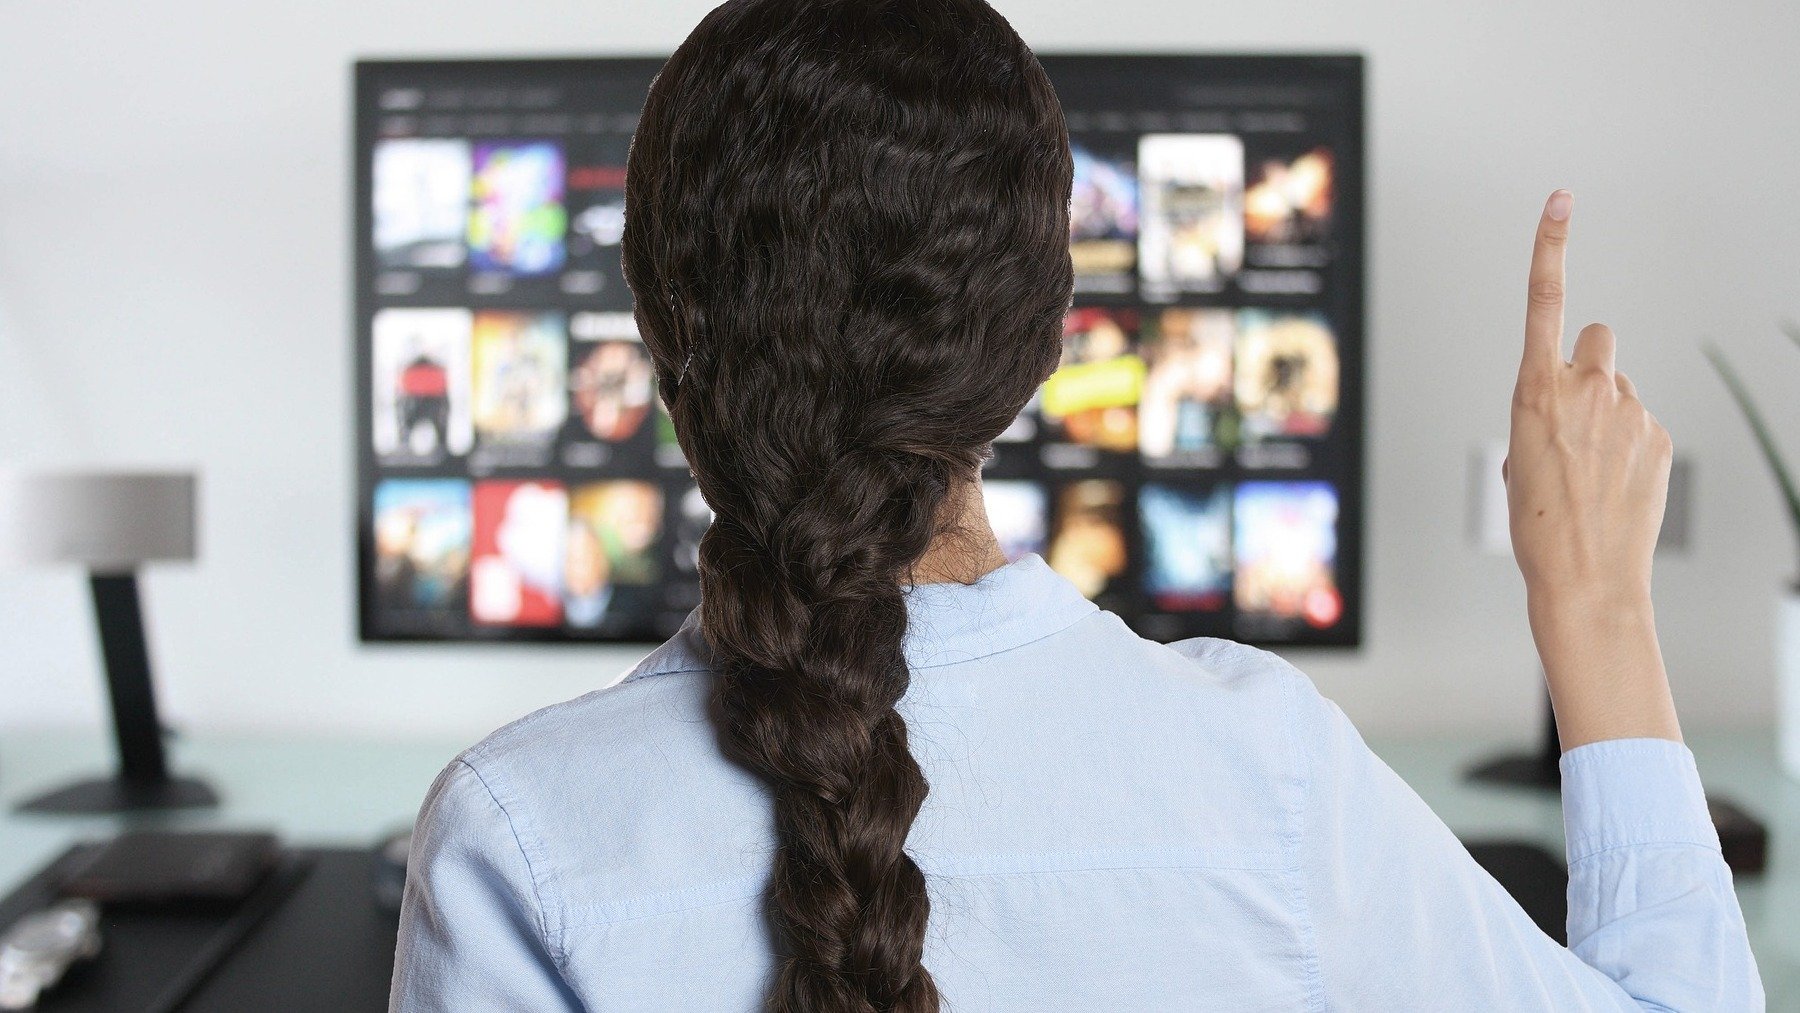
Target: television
[1195,464]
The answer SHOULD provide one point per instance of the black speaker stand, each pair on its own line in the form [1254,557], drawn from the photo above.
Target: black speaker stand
[143,781]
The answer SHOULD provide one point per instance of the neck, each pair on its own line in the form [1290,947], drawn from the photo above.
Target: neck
[965,549]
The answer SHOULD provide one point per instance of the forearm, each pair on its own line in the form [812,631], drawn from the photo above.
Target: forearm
[1604,667]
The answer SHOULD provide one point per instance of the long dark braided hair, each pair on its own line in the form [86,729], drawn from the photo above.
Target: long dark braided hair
[847,235]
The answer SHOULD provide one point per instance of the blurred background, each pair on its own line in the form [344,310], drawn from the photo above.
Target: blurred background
[176,295]
[175,291]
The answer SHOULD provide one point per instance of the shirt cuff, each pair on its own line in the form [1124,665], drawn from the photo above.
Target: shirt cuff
[1623,793]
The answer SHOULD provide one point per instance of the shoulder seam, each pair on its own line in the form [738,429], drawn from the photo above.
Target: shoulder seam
[654,672]
[543,924]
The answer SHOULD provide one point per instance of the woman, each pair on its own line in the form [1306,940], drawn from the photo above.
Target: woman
[848,241]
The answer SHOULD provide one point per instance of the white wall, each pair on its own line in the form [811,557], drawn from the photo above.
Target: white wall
[174,286]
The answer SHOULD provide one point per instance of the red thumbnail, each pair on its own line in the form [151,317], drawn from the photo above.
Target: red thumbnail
[515,578]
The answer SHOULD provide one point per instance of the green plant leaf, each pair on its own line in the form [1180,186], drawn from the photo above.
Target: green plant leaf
[1759,426]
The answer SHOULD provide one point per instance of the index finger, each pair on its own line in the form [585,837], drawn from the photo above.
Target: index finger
[1544,305]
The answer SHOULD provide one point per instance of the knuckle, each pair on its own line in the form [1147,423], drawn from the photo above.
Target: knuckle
[1546,292]
[1532,392]
[1553,237]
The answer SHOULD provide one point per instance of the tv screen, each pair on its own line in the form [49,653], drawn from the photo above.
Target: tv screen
[1194,464]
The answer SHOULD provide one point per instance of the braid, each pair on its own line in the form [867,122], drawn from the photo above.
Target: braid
[848,237]
[808,701]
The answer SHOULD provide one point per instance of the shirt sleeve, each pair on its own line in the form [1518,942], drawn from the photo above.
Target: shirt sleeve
[472,934]
[1403,917]
[1651,904]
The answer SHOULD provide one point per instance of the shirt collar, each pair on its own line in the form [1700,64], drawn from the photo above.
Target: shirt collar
[1009,607]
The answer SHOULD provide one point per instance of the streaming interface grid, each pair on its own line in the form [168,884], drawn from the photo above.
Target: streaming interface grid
[1193,464]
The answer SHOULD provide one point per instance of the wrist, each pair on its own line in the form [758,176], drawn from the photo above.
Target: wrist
[1604,667]
[1584,633]
[1590,603]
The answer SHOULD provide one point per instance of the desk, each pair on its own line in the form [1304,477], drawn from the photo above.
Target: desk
[322,791]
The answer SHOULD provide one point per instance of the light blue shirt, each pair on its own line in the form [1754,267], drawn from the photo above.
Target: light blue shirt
[1113,825]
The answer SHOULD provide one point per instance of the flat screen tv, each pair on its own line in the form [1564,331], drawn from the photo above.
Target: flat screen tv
[1195,464]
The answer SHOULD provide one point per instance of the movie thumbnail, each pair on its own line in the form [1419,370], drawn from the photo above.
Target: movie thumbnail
[1103,221]
[1187,547]
[600,225]
[599,192]
[1024,428]
[421,202]
[516,576]
[1191,229]
[421,395]
[1187,404]
[1290,202]
[612,383]
[422,530]
[521,376]
[668,441]
[1087,539]
[613,529]
[1287,374]
[692,518]
[596,202]
[1092,397]
[517,223]
[1286,551]
[1017,511]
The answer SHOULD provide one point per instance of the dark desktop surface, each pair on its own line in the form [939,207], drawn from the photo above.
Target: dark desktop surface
[1537,879]
[311,938]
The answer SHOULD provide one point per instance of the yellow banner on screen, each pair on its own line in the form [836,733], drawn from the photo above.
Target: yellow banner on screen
[1115,383]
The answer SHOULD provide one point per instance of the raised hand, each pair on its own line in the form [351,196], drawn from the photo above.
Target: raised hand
[1587,477]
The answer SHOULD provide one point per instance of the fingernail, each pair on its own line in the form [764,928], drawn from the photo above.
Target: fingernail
[1560,203]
